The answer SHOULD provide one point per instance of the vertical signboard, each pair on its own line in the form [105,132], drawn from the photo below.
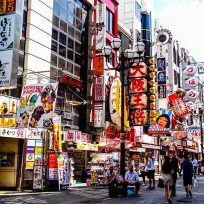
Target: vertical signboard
[99,89]
[7,6]
[100,23]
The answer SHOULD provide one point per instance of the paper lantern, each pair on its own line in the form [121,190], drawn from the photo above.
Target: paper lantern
[152,82]
[152,97]
[152,75]
[152,89]
[192,94]
[190,70]
[151,61]
[151,68]
[192,82]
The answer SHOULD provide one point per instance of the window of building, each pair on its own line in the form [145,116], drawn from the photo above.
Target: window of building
[54,46]
[63,3]
[56,9]
[55,21]
[71,7]
[70,30]
[63,14]
[77,58]
[69,67]
[21,60]
[63,39]
[61,63]
[63,26]
[62,50]
[138,11]
[55,34]
[71,19]
[70,43]
[109,21]
[77,47]
[54,60]
[78,13]
[77,71]
[175,77]
[70,54]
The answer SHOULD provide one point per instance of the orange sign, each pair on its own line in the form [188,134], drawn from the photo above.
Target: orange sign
[99,65]
[7,6]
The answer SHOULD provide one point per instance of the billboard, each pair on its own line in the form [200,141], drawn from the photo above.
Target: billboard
[37,105]
[163,124]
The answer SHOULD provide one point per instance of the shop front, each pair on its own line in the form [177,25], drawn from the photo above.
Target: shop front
[11,151]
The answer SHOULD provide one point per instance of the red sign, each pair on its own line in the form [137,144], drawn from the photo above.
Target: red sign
[139,117]
[178,105]
[99,89]
[138,100]
[66,79]
[52,160]
[98,64]
[70,135]
[139,70]
[7,6]
[138,85]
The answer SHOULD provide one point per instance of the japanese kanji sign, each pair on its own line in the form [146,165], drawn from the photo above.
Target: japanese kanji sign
[138,85]
[139,100]
[5,67]
[162,91]
[99,89]
[178,105]
[7,26]
[139,117]
[138,70]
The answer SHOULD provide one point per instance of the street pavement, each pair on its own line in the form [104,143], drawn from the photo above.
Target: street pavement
[99,195]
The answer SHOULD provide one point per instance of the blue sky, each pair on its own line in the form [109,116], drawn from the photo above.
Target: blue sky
[185,19]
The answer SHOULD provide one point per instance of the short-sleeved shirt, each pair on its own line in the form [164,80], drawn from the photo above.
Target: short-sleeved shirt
[150,164]
[195,162]
[131,176]
[110,175]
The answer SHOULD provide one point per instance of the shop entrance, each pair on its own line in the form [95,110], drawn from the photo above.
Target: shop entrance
[10,162]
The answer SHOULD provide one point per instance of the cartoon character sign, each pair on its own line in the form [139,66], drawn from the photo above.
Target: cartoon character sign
[37,105]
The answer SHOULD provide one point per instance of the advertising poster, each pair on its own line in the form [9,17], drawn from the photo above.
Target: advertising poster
[161,64]
[162,91]
[52,164]
[37,105]
[178,105]
[37,177]
[163,124]
[162,77]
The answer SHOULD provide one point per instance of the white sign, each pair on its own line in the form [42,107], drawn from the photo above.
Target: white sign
[98,118]
[192,81]
[6,58]
[13,133]
[7,25]
[190,70]
[35,134]
[100,20]
[192,94]
[201,68]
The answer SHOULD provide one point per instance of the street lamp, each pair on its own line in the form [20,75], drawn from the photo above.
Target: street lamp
[125,61]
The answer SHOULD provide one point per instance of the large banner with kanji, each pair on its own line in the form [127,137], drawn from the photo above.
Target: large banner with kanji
[37,105]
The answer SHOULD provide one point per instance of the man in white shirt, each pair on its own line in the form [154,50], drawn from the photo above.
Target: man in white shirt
[151,171]
[195,166]
[132,178]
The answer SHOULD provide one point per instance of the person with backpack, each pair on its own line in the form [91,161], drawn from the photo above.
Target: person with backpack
[151,171]
[187,168]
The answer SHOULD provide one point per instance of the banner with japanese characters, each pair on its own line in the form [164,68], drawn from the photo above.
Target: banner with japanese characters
[178,105]
[37,105]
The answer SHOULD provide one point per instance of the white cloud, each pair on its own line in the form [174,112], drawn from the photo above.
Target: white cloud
[184,18]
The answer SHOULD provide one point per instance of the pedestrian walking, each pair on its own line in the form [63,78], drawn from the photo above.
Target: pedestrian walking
[151,171]
[174,162]
[195,166]
[143,171]
[167,169]
[187,169]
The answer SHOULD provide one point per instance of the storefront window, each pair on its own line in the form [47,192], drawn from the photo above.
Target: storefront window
[109,21]
[7,160]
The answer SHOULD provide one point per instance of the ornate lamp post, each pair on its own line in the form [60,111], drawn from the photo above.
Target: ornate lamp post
[125,61]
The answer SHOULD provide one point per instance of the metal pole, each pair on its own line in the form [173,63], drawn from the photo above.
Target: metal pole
[122,133]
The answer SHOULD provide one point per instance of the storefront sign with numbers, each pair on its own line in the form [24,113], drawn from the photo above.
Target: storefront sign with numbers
[99,89]
[13,133]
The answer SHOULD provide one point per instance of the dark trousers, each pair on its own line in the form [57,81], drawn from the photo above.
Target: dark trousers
[115,189]
[174,176]
[143,174]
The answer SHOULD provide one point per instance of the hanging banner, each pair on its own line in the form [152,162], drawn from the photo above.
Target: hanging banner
[178,105]
[37,105]
[52,165]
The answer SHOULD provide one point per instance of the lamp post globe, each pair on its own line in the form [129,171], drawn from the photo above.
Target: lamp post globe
[116,43]
[129,53]
[139,48]
[107,50]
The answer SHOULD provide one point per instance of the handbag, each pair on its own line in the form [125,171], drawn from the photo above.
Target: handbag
[161,183]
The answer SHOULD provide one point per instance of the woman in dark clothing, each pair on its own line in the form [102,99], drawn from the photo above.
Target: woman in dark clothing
[167,177]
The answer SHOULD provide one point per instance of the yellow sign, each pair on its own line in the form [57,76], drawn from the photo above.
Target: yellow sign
[29,165]
[38,150]
[7,6]
[57,136]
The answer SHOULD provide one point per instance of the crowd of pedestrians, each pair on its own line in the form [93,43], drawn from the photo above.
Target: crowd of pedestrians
[170,168]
